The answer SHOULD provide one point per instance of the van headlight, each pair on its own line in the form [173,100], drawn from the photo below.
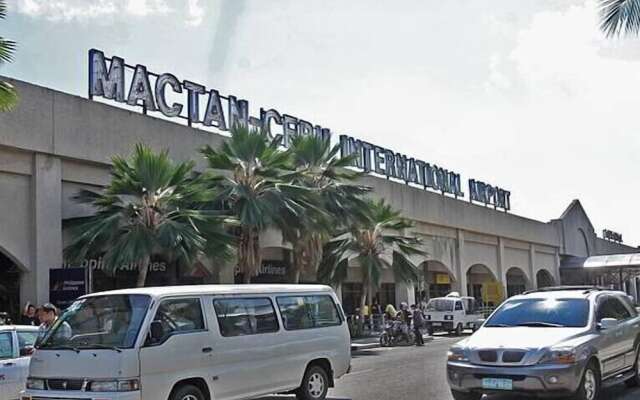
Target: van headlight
[35,383]
[115,385]
[560,355]
[457,354]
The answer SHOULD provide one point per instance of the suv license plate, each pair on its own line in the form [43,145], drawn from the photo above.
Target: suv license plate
[497,384]
[436,324]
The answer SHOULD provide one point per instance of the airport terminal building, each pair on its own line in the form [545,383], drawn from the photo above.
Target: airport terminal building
[54,144]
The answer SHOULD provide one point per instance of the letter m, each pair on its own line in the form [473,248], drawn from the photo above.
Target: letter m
[102,82]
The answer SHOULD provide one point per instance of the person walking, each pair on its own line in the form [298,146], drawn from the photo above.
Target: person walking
[48,315]
[418,321]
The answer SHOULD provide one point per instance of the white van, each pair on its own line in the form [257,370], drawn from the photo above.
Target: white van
[452,313]
[194,343]
[16,346]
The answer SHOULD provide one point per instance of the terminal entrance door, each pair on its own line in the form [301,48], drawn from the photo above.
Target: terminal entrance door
[9,288]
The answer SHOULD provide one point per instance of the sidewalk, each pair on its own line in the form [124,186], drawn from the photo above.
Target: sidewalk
[373,342]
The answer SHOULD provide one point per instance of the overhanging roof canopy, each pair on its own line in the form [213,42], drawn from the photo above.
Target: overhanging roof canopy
[610,261]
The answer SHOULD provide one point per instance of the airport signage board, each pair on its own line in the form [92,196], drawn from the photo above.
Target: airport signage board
[113,79]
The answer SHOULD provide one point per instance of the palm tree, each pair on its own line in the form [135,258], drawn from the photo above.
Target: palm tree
[152,206]
[256,190]
[8,95]
[320,168]
[620,16]
[376,244]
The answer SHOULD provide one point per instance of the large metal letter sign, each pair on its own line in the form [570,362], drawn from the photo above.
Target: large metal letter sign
[149,90]
[107,83]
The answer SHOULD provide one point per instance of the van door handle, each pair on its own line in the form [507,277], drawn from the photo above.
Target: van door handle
[207,349]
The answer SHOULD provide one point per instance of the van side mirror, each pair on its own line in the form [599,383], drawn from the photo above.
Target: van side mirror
[26,351]
[607,323]
[156,331]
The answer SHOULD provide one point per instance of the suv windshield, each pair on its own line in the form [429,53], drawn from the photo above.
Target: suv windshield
[97,322]
[440,305]
[541,313]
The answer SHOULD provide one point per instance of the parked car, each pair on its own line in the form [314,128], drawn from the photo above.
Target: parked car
[194,343]
[16,346]
[451,314]
[555,341]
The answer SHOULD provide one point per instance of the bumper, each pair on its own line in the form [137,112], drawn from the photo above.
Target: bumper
[77,395]
[526,379]
[440,326]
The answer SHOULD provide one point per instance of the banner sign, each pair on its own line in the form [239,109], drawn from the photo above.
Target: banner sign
[198,104]
[66,285]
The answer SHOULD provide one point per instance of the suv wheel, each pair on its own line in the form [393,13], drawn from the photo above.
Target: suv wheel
[465,395]
[315,384]
[635,379]
[589,388]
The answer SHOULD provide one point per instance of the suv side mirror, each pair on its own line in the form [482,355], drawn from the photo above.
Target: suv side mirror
[607,323]
[156,331]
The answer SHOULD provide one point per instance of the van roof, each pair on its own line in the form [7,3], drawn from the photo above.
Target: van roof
[161,291]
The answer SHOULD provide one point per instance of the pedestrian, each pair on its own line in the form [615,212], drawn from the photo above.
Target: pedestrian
[48,315]
[390,311]
[418,321]
[28,316]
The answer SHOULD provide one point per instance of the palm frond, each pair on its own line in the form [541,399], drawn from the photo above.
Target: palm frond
[620,16]
[8,96]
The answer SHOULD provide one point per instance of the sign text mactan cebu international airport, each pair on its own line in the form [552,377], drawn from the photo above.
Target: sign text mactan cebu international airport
[108,77]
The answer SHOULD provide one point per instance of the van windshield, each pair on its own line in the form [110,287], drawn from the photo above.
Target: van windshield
[440,305]
[111,321]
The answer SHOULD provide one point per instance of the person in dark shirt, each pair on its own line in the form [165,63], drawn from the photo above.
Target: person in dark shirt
[28,316]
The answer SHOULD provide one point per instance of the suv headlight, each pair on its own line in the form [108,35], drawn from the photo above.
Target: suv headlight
[457,354]
[35,383]
[560,355]
[115,385]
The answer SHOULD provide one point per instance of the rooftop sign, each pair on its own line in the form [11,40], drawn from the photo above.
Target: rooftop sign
[108,79]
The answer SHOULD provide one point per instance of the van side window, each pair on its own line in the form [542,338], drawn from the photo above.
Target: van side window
[239,317]
[458,306]
[6,345]
[304,312]
[180,315]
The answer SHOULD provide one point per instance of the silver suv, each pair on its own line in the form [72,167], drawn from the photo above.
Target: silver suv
[550,342]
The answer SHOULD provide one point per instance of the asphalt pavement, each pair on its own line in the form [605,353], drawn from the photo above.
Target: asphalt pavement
[413,373]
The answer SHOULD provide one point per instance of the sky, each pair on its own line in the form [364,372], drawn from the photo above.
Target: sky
[528,95]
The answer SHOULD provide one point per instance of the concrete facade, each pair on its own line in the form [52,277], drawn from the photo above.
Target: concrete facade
[54,144]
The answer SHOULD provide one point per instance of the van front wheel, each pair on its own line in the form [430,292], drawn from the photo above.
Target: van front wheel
[315,384]
[187,392]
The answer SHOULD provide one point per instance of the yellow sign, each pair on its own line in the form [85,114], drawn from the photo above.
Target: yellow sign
[442,279]
[492,292]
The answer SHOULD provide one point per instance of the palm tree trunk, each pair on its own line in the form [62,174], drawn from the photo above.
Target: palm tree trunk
[297,261]
[143,268]
[249,256]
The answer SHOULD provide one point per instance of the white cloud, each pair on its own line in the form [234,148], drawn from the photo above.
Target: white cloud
[82,10]
[195,12]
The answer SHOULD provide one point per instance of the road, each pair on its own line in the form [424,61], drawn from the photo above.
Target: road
[413,373]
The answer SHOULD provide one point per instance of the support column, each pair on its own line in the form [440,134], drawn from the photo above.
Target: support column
[532,265]
[405,292]
[47,222]
[556,269]
[460,264]
[502,270]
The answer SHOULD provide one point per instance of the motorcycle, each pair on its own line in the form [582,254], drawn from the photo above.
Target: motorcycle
[396,333]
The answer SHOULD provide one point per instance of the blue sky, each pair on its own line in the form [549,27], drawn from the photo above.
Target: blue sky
[525,94]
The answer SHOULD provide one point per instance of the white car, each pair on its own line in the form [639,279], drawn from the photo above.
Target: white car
[202,342]
[16,345]
[451,314]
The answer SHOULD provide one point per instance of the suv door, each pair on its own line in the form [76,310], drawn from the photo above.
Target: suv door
[613,341]
[631,325]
